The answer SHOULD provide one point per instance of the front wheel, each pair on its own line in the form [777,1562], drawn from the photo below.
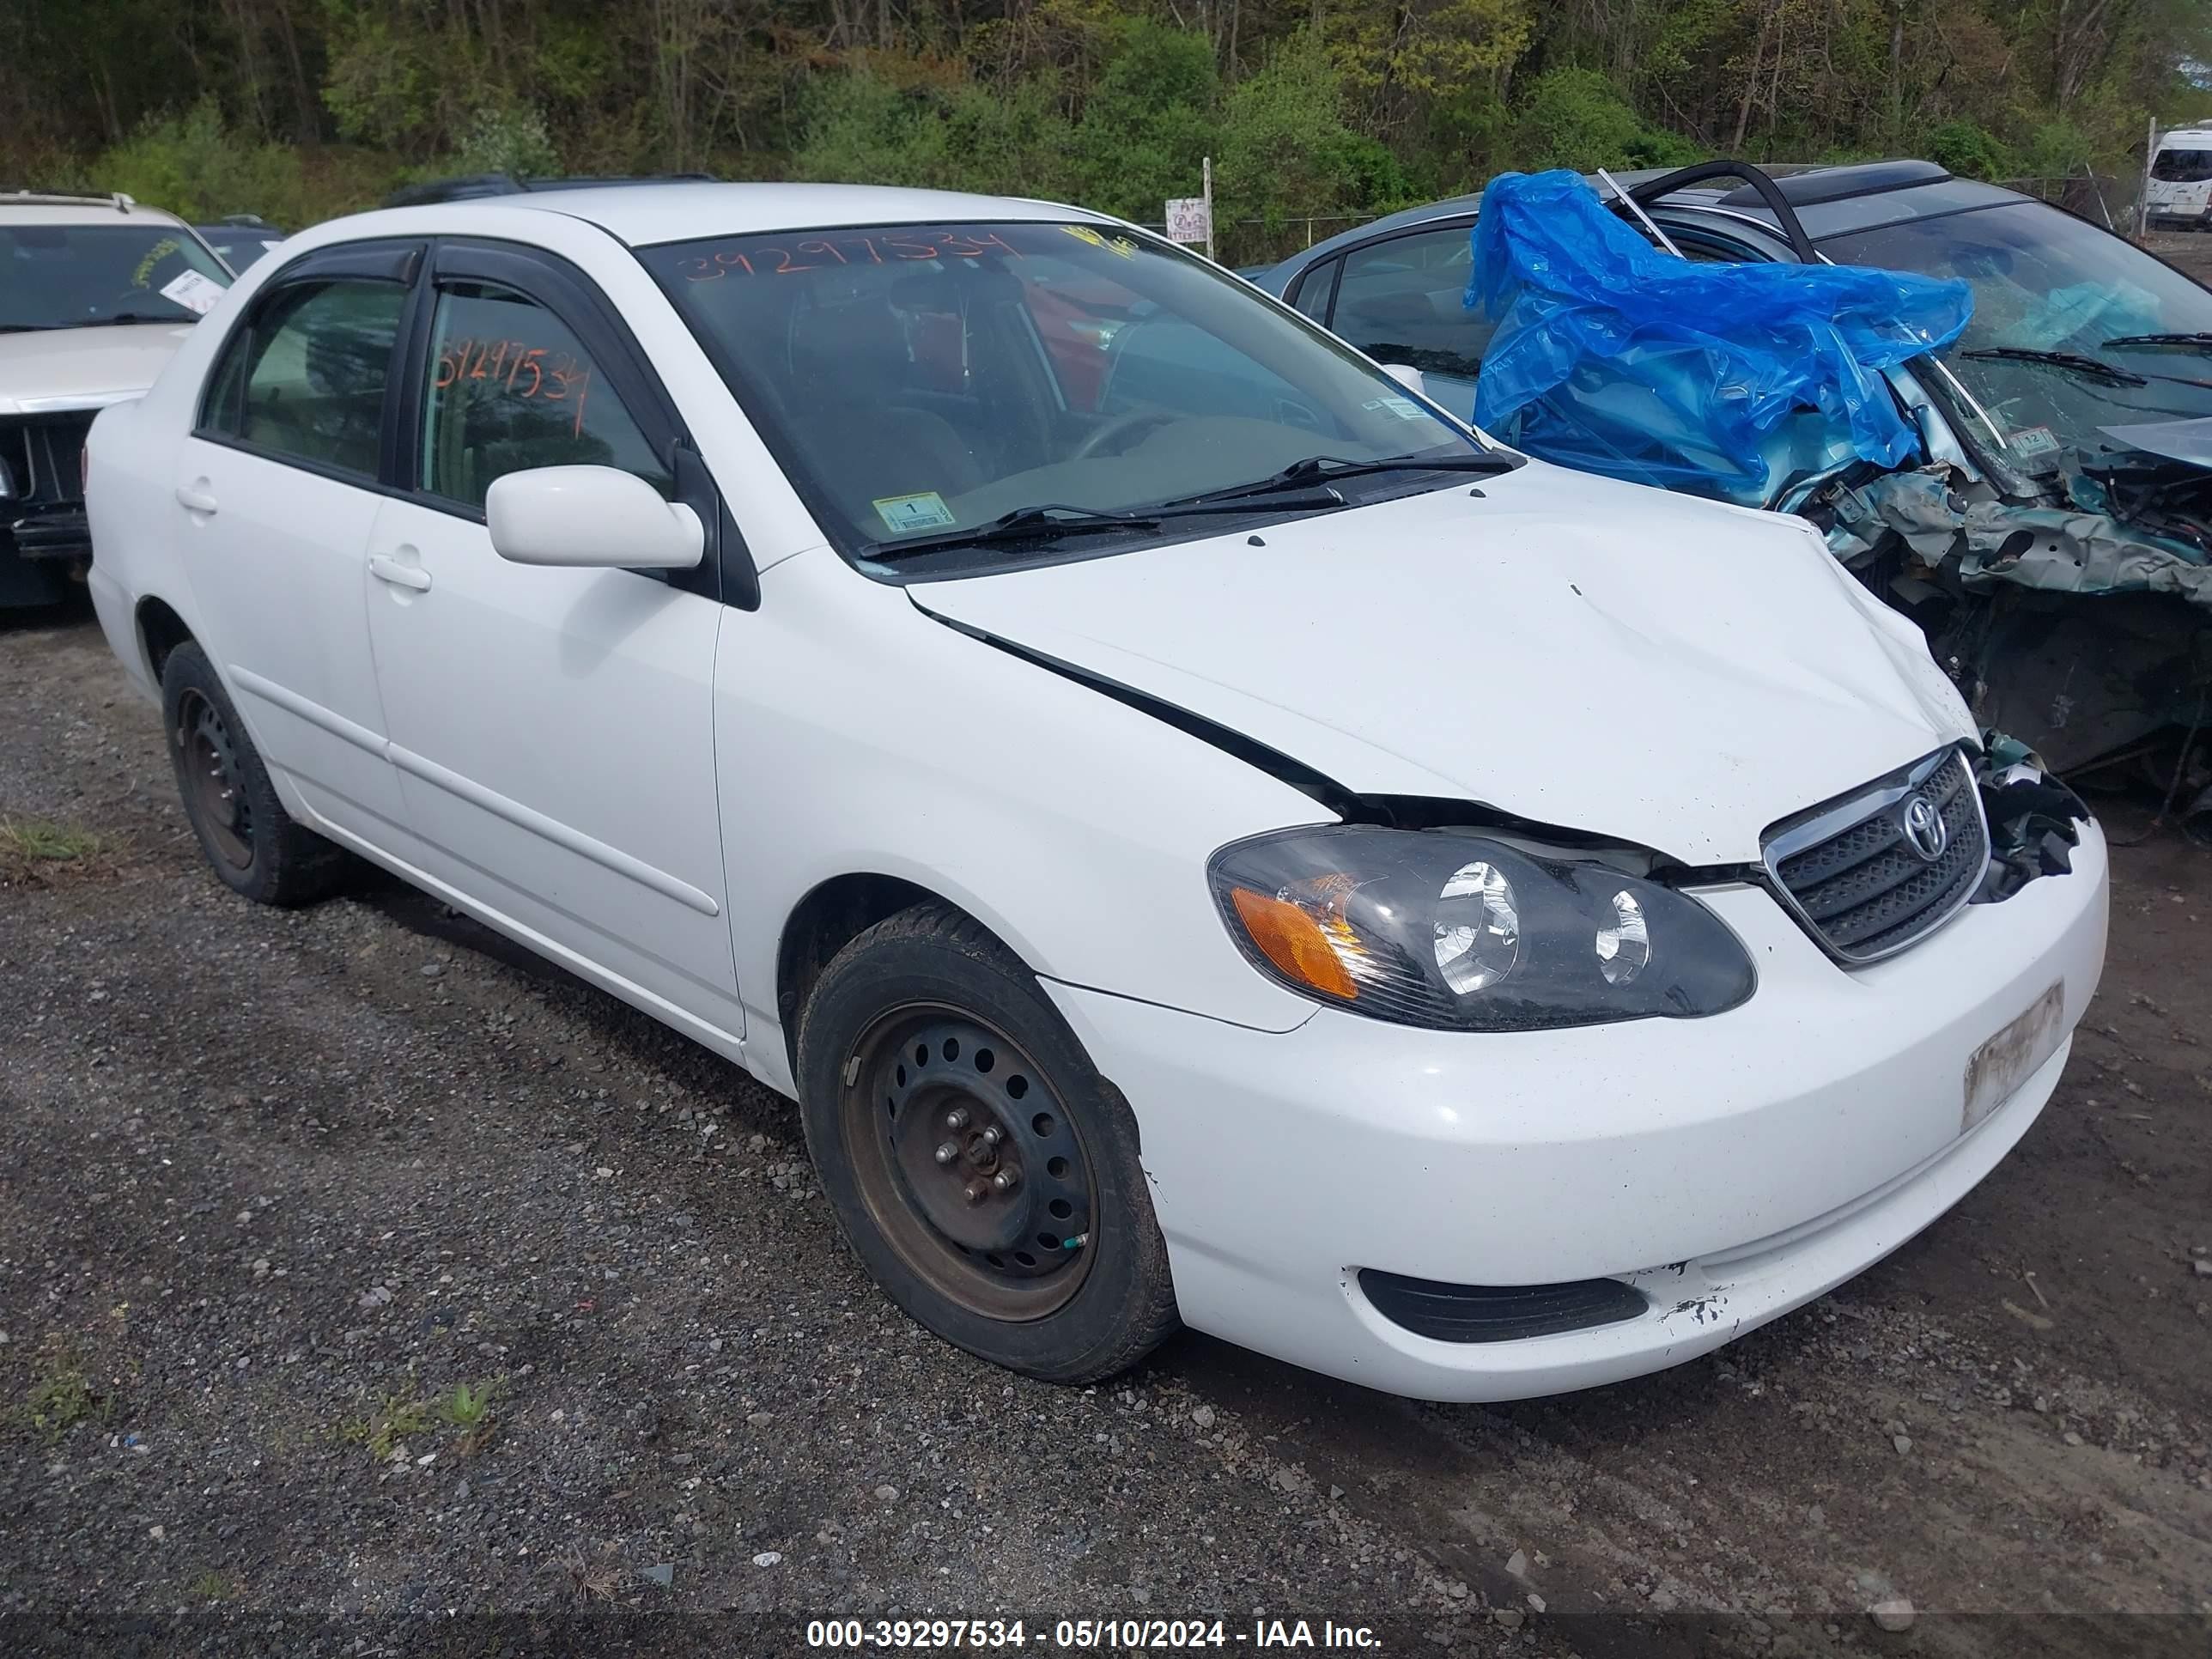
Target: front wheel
[984,1171]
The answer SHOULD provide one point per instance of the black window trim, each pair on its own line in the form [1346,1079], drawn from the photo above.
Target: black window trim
[387,259]
[1331,269]
[727,571]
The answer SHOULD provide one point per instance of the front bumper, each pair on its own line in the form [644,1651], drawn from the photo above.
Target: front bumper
[1731,1168]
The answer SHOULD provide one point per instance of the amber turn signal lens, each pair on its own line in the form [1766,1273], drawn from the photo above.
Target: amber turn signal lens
[1292,939]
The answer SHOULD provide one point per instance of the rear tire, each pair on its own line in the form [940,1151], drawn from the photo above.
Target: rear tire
[979,1166]
[232,805]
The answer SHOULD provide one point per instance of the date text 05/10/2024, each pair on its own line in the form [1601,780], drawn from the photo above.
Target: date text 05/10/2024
[1084,1635]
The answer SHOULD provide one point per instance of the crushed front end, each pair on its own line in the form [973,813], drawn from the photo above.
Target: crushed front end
[45,543]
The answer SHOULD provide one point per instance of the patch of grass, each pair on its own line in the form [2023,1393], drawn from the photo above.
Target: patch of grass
[395,1418]
[594,1578]
[212,1586]
[467,1406]
[30,847]
[61,1394]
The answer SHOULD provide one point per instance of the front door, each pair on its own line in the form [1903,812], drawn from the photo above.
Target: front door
[1403,300]
[553,729]
[272,502]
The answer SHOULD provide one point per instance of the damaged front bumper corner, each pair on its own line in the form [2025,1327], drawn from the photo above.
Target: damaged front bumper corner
[1728,1170]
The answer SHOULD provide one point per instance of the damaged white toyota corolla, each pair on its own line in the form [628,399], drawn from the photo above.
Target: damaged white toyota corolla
[1200,835]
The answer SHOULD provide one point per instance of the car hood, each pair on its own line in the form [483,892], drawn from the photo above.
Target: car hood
[1568,650]
[59,368]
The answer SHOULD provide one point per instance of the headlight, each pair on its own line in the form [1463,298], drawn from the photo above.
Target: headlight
[1447,929]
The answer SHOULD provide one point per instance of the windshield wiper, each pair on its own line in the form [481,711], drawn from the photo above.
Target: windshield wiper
[1322,470]
[28,328]
[1043,522]
[2094,369]
[1051,520]
[2201,342]
[127,317]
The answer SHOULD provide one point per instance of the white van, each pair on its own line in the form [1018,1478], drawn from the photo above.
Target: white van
[2181,180]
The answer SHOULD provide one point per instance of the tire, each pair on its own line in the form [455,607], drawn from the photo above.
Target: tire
[1062,1277]
[232,805]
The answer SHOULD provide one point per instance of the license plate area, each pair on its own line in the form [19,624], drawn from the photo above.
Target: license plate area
[2007,1059]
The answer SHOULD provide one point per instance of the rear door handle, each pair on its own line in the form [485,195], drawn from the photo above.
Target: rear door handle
[195,497]
[386,568]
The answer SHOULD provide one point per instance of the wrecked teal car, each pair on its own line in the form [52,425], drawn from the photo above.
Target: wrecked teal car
[2031,480]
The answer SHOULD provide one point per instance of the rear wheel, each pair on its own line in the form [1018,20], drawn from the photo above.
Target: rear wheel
[984,1171]
[229,801]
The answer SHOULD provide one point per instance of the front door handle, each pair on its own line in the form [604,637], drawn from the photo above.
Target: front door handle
[195,497]
[386,568]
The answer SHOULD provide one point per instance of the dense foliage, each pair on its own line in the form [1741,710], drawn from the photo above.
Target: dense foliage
[1312,110]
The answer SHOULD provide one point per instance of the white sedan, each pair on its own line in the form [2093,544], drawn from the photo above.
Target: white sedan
[1202,836]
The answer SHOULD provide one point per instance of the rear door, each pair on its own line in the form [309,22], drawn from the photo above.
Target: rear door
[275,492]
[553,728]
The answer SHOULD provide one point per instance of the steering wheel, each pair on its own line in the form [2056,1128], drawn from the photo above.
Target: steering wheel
[1136,420]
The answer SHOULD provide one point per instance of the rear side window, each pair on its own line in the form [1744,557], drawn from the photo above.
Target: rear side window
[1403,300]
[1316,290]
[511,388]
[2183,167]
[305,378]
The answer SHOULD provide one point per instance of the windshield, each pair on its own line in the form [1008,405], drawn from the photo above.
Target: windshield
[923,380]
[2046,282]
[2183,167]
[74,276]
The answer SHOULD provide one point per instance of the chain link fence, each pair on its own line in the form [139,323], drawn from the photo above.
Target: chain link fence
[1240,244]
[2105,198]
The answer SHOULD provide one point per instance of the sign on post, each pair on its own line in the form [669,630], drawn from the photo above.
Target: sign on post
[1190,218]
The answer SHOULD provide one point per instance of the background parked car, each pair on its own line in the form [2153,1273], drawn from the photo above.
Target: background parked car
[2180,192]
[2081,345]
[240,238]
[95,293]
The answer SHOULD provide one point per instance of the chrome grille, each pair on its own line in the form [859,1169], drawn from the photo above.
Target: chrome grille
[1851,870]
[38,459]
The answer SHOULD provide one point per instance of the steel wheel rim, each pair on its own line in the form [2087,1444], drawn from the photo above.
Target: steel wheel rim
[207,755]
[1005,1227]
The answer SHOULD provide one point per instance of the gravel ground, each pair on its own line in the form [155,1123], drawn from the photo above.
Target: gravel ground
[368,1286]
[2191,250]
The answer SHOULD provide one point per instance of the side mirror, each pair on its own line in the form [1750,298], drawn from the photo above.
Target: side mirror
[592,518]
[1408,376]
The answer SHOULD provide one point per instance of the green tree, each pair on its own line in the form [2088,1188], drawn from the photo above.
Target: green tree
[1286,151]
[195,166]
[1147,122]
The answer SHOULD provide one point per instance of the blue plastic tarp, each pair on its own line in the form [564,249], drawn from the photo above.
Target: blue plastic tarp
[1730,381]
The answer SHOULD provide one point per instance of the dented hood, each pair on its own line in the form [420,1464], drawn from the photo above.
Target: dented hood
[1566,649]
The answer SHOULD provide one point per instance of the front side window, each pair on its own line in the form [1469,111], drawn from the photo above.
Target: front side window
[1404,300]
[512,388]
[2183,167]
[305,378]
[86,276]
[925,379]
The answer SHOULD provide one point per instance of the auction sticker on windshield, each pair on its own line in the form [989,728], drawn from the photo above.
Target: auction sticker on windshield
[193,291]
[907,514]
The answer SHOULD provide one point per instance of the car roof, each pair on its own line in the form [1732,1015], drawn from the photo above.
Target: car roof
[23,207]
[1830,200]
[645,214]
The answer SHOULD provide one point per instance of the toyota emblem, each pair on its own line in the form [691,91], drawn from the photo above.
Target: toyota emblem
[1924,826]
